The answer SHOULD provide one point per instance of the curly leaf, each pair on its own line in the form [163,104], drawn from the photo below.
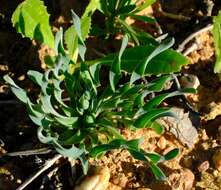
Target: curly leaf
[36,77]
[67,121]
[19,92]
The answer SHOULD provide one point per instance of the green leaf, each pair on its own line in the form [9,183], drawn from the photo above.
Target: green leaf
[111,4]
[138,155]
[116,144]
[70,36]
[59,48]
[108,125]
[172,154]
[19,92]
[134,143]
[217,41]
[158,173]
[126,9]
[128,29]
[141,68]
[32,20]
[146,4]
[70,137]
[143,18]
[158,99]
[36,120]
[49,60]
[95,73]
[36,77]
[147,117]
[72,152]
[47,139]
[158,84]
[123,3]
[154,157]
[86,77]
[132,90]
[77,27]
[101,148]
[47,106]
[66,121]
[84,103]
[166,62]
[35,109]
[115,71]
[84,163]
[86,17]
[71,40]
[158,128]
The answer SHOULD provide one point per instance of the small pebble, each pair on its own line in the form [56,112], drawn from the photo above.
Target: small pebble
[98,181]
[182,180]
[204,136]
[214,144]
[189,81]
[18,181]
[205,146]
[203,166]
[215,173]
[162,143]
[188,179]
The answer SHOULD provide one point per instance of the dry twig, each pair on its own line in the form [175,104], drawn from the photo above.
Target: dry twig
[182,46]
[29,152]
[47,165]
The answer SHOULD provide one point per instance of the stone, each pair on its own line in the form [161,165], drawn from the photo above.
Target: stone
[162,143]
[189,81]
[203,166]
[183,129]
[204,136]
[182,180]
[98,180]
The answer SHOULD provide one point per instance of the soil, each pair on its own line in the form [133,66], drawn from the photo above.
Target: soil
[18,55]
